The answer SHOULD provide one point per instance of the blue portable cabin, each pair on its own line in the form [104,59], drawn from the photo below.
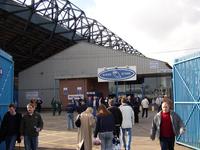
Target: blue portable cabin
[6,85]
[186,89]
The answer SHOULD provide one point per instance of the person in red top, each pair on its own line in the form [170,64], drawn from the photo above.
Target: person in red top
[167,124]
[166,129]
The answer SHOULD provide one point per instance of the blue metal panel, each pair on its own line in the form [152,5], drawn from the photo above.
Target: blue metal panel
[186,82]
[6,85]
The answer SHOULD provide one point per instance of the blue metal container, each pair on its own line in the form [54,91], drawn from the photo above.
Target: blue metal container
[186,89]
[6,85]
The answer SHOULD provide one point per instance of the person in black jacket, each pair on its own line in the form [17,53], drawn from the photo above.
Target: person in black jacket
[10,127]
[70,108]
[136,108]
[30,127]
[39,104]
[82,107]
[117,114]
[134,102]
[104,127]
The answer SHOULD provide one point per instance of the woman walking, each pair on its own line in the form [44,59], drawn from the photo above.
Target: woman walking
[85,130]
[104,128]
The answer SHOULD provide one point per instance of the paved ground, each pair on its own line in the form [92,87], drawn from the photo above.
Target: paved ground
[55,135]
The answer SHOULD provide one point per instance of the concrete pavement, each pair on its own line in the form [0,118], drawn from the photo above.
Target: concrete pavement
[55,135]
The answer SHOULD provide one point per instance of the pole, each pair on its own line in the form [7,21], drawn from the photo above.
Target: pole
[54,89]
[116,82]
[143,90]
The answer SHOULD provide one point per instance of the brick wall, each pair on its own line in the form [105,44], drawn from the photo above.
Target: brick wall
[87,84]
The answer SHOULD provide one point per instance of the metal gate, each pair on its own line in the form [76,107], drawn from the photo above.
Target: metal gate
[6,85]
[186,89]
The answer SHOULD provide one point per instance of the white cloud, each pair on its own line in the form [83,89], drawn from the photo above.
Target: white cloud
[151,26]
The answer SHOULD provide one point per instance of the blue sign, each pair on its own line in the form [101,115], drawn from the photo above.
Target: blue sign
[117,74]
[65,91]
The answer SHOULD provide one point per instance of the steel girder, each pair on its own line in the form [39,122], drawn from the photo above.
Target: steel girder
[27,42]
[65,14]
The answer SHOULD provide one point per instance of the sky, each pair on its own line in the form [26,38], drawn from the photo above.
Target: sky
[160,29]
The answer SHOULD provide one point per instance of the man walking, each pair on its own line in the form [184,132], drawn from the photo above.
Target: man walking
[70,115]
[127,123]
[10,127]
[145,107]
[31,125]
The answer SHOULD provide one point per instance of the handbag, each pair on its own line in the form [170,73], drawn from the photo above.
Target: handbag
[116,143]
[78,121]
[116,140]
[96,141]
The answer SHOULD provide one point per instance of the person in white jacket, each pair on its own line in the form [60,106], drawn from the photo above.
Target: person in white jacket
[145,107]
[127,123]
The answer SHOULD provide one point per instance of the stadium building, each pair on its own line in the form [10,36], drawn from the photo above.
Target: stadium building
[73,72]
[57,51]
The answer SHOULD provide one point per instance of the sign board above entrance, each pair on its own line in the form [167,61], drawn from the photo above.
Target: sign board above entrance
[75,96]
[127,73]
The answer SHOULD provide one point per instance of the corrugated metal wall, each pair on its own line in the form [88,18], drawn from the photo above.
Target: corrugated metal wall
[80,60]
[186,82]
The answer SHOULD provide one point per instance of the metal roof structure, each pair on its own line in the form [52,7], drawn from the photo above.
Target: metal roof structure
[33,30]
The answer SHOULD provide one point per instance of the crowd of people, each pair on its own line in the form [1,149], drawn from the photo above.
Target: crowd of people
[101,121]
[108,117]
[115,120]
[111,117]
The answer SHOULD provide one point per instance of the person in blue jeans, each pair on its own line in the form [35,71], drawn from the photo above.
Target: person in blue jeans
[127,123]
[104,127]
[10,127]
[31,125]
[70,108]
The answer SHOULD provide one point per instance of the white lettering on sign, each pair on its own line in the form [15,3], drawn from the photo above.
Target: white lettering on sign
[75,97]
